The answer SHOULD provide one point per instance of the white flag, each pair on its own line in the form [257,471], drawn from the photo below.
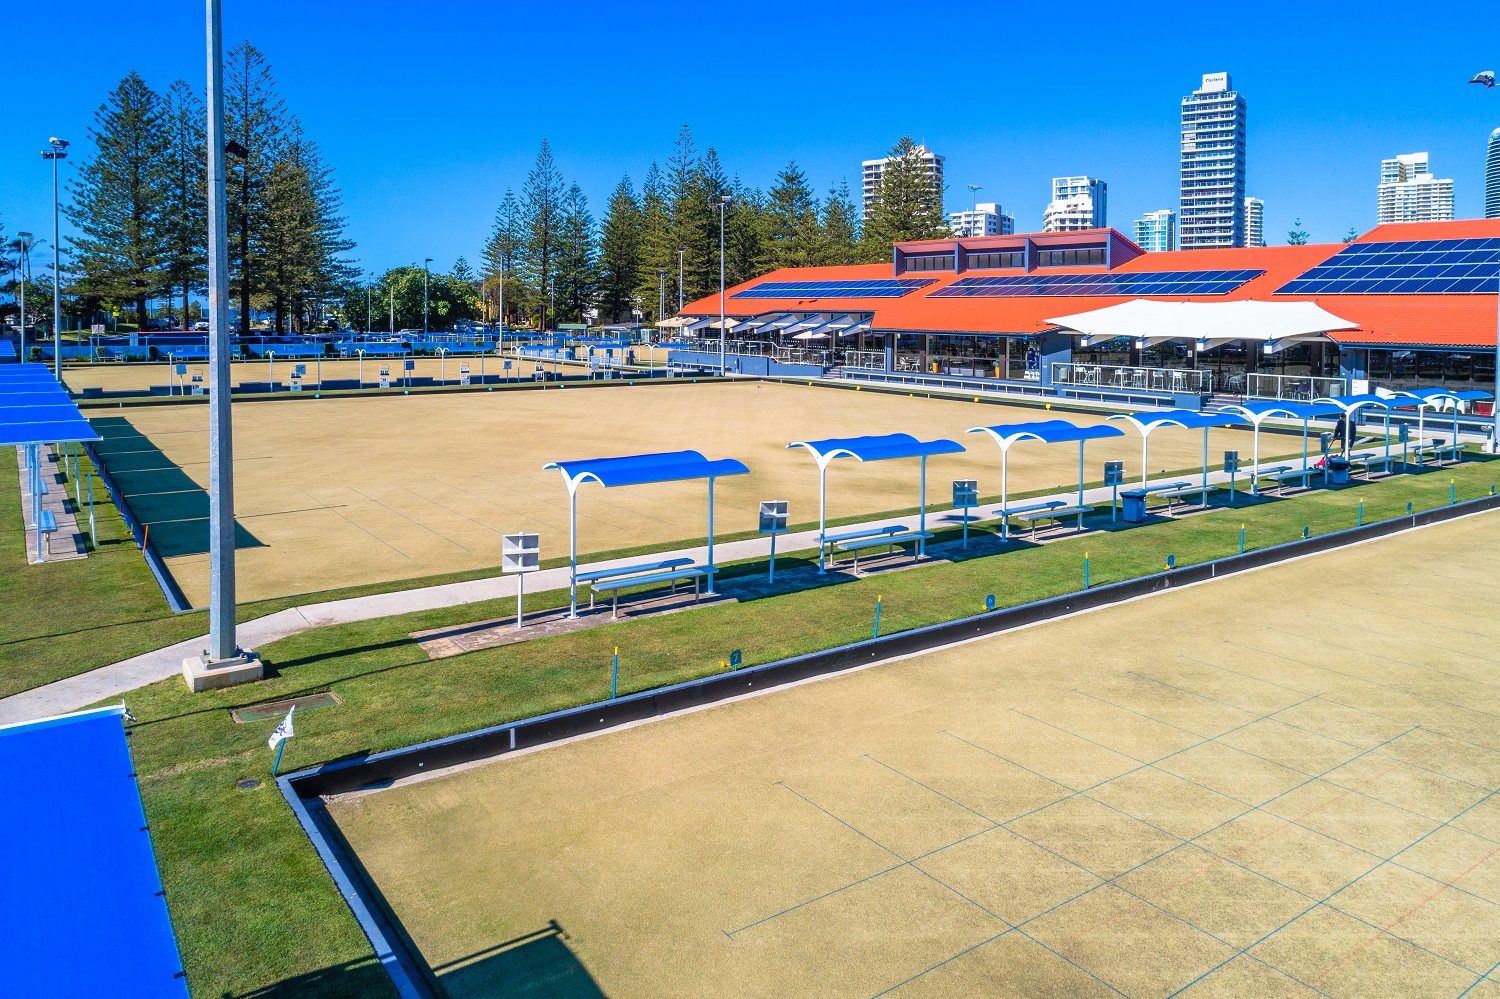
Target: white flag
[284,730]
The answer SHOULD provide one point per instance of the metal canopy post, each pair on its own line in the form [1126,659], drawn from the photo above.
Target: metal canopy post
[1145,434]
[922,511]
[710,590]
[1255,460]
[1004,503]
[822,511]
[1305,470]
[1080,474]
[572,550]
[1204,498]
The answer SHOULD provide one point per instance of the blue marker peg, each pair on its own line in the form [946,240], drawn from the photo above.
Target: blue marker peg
[877,617]
[1085,570]
[1242,539]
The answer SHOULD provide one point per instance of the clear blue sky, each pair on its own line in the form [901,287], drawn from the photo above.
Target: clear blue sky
[428,111]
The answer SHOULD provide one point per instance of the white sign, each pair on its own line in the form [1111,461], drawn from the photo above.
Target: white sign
[773,517]
[520,552]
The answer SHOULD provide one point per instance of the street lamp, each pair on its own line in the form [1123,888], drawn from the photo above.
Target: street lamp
[23,255]
[500,344]
[972,188]
[424,296]
[723,204]
[369,287]
[59,151]
[661,294]
[680,251]
[1487,79]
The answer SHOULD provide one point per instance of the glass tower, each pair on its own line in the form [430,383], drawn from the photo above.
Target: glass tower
[1213,166]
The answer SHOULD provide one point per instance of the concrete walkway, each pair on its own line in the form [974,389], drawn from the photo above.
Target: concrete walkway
[67,542]
[117,679]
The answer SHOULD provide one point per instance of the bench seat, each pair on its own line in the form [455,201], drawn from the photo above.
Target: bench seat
[857,545]
[871,532]
[697,573]
[625,570]
[1035,517]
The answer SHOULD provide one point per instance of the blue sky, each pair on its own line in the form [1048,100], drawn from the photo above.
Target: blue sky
[429,111]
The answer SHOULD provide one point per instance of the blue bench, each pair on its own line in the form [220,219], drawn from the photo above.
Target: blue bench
[619,571]
[887,540]
[46,525]
[860,535]
[697,573]
[1438,447]
[1054,511]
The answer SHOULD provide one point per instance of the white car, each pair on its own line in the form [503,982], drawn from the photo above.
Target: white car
[201,326]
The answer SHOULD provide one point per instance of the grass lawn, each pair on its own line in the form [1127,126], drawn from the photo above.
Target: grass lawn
[254,910]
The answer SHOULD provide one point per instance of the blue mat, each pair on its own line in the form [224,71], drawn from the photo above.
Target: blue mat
[83,915]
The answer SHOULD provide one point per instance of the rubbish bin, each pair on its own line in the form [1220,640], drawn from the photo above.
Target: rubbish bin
[1338,471]
[1134,506]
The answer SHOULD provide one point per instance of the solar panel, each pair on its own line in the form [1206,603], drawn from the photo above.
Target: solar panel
[1075,285]
[868,288]
[1423,267]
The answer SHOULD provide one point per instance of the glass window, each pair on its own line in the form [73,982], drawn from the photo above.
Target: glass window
[930,263]
[995,261]
[1071,258]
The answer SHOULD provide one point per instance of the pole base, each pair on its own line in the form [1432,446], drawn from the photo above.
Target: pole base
[203,673]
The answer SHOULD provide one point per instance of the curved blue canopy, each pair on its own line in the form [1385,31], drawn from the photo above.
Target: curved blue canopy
[1188,419]
[877,448]
[1046,431]
[640,469]
[1462,395]
[1259,409]
[52,432]
[1349,403]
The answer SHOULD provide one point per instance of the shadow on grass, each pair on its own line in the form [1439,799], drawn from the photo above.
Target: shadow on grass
[159,493]
[364,977]
[538,965]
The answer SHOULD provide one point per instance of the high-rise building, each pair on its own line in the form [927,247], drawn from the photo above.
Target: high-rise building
[1408,192]
[985,220]
[1492,177]
[1255,222]
[1077,203]
[1213,165]
[1156,232]
[873,169]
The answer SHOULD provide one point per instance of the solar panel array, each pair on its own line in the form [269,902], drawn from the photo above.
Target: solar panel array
[869,288]
[1424,267]
[1067,285]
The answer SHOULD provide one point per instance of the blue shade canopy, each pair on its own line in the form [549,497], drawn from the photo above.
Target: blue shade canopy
[53,432]
[876,448]
[41,412]
[1188,419]
[84,913]
[1262,409]
[1349,403]
[1442,394]
[7,349]
[1046,431]
[640,469]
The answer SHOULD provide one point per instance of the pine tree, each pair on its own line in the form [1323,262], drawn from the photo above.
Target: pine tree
[795,238]
[575,255]
[502,257]
[255,118]
[620,254]
[746,238]
[1296,236]
[462,273]
[908,205]
[658,252]
[688,217]
[542,198]
[840,227]
[117,199]
[303,236]
[184,218]
[710,186]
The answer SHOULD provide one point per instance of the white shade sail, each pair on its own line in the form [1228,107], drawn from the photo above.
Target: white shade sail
[1208,324]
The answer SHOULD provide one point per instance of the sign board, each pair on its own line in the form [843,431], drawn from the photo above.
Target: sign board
[385,376]
[965,493]
[182,369]
[97,329]
[507,365]
[1403,434]
[773,517]
[1325,441]
[520,552]
[411,365]
[300,370]
[735,658]
[463,373]
[989,602]
[1114,473]
[1231,461]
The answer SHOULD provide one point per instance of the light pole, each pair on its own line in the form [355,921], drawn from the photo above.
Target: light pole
[500,345]
[1487,78]
[661,294]
[59,151]
[680,251]
[23,254]
[393,309]
[424,296]
[972,206]
[723,204]
[369,286]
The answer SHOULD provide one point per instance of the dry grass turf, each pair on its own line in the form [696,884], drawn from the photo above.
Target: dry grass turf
[348,491]
[1278,784]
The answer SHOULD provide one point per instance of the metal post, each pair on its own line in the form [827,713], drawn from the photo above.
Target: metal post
[393,308]
[57,152]
[1255,463]
[1004,503]
[221,637]
[500,344]
[1305,470]
[683,249]
[1204,497]
[1080,473]
[520,597]
[1145,474]
[771,577]
[710,534]
[424,296]
[93,537]
[822,508]
[723,204]
[922,511]
[572,553]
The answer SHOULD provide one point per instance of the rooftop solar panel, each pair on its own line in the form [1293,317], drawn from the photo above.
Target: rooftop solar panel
[1074,285]
[1430,267]
[867,288]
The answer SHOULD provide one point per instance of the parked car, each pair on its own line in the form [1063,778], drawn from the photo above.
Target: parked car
[201,326]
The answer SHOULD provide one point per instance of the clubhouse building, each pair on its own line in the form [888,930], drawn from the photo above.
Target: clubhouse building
[1407,306]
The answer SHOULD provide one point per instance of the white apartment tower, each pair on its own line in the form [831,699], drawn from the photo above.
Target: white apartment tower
[1492,177]
[1255,222]
[986,219]
[1408,191]
[1077,203]
[871,171]
[1156,232]
[1213,165]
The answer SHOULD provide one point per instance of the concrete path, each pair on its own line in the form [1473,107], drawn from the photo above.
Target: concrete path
[117,679]
[67,542]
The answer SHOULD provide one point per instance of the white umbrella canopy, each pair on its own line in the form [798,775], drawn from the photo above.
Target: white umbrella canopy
[1144,318]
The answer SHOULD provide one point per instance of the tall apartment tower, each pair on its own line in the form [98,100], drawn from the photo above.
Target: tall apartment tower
[986,219]
[1255,222]
[1213,165]
[1077,203]
[1156,232]
[1408,192]
[1492,177]
[872,170]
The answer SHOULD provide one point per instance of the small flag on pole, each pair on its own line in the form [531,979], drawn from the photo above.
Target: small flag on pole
[280,736]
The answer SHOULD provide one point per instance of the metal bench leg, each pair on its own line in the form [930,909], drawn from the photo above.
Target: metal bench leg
[614,607]
[695,588]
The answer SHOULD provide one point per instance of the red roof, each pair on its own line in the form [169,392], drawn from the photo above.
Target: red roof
[1467,320]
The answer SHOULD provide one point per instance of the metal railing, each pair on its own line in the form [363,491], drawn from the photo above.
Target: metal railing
[1292,388]
[865,360]
[802,355]
[1123,377]
[710,345]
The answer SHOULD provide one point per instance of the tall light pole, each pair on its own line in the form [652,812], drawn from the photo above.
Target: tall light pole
[393,308]
[972,188]
[723,204]
[59,151]
[424,296]
[680,251]
[23,255]
[1487,78]
[369,286]
[661,294]
[501,342]
[222,663]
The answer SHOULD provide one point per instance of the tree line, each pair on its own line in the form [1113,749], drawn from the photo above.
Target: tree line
[139,202]
[547,258]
